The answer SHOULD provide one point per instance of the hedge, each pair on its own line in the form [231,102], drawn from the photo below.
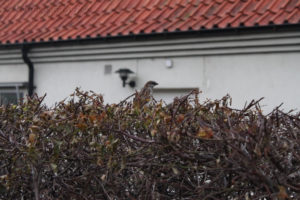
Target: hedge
[83,148]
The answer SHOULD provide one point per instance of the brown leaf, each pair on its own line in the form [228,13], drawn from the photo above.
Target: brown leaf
[205,133]
[82,126]
[34,129]
[93,118]
[282,195]
[153,132]
[180,118]
[167,119]
[32,138]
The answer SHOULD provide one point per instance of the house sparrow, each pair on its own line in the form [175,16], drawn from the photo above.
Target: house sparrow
[145,95]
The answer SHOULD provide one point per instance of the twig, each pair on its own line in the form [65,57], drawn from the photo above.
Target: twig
[134,137]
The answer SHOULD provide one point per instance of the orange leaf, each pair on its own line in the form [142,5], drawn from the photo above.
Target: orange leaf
[82,116]
[101,116]
[180,118]
[107,143]
[93,118]
[32,138]
[205,133]
[167,119]
[34,129]
[282,195]
[81,126]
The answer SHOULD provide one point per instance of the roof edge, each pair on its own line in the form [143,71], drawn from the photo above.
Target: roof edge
[164,35]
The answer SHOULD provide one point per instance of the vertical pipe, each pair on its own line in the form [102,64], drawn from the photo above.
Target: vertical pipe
[28,62]
[17,93]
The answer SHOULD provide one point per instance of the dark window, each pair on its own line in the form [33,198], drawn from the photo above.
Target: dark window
[10,97]
[12,93]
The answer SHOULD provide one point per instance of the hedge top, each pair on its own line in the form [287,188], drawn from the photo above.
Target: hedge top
[85,149]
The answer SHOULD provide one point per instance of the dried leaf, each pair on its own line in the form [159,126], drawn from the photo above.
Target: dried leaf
[205,132]
[82,126]
[103,177]
[282,195]
[180,118]
[153,132]
[34,129]
[32,138]
[257,150]
[54,167]
[175,171]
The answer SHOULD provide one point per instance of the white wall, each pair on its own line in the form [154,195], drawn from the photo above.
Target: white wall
[14,73]
[60,79]
[245,66]
[273,76]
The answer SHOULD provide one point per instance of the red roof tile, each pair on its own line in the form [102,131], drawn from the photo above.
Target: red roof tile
[35,20]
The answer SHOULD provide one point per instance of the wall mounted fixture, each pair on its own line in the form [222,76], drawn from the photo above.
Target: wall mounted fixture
[107,69]
[169,63]
[124,73]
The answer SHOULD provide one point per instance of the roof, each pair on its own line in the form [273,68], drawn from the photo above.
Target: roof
[52,20]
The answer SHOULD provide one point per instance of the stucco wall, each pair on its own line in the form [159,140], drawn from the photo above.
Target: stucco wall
[14,73]
[273,76]
[12,68]
[60,79]
[246,67]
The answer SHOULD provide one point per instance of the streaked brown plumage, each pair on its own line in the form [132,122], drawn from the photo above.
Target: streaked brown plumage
[145,95]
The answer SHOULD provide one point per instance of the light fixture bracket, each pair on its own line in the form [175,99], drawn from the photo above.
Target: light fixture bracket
[124,74]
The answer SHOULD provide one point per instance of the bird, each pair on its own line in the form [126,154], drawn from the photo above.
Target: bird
[145,95]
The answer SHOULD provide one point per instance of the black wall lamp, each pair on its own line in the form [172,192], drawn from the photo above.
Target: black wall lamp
[124,73]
